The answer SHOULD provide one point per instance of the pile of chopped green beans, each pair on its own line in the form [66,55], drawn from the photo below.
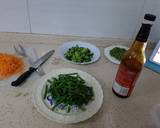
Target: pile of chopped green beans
[69,89]
[79,54]
[117,53]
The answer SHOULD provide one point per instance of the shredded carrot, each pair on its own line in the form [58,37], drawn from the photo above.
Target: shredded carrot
[10,65]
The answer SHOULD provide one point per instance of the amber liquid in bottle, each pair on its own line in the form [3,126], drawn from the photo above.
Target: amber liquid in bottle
[131,64]
[130,68]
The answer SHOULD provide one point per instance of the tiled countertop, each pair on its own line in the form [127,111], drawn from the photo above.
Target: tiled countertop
[16,106]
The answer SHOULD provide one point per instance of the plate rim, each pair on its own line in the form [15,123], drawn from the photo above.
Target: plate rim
[62,120]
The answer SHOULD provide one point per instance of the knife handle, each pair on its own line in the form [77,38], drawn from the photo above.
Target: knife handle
[23,77]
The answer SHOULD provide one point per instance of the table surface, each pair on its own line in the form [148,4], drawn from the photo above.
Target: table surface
[17,109]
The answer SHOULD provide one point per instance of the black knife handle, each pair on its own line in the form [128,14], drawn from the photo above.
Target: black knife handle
[23,77]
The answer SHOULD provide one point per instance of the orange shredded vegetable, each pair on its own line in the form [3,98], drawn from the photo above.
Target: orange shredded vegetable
[10,65]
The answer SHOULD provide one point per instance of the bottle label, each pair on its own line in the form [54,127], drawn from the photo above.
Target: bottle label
[119,89]
[125,79]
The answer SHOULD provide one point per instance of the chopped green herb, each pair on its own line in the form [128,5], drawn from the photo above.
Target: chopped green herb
[18,94]
[69,89]
[79,54]
[26,94]
[33,108]
[117,53]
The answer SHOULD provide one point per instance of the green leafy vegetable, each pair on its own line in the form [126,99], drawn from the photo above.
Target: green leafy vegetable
[79,54]
[117,53]
[69,89]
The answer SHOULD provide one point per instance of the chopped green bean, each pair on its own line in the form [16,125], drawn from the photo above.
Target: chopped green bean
[45,92]
[69,89]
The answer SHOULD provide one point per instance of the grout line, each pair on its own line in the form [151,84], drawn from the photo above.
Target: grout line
[28,14]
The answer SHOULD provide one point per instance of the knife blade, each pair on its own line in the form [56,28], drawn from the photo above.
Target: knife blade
[33,68]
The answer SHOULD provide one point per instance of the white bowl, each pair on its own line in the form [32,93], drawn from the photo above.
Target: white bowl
[91,108]
[65,47]
[108,56]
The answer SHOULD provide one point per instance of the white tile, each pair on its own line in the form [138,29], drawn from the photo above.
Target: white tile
[102,18]
[13,16]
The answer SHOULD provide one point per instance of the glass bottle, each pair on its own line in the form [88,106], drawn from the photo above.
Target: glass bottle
[133,60]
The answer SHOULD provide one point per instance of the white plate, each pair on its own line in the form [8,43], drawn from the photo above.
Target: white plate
[65,46]
[91,108]
[107,50]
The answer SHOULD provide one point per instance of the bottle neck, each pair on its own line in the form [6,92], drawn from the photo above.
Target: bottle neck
[139,46]
[142,36]
[143,33]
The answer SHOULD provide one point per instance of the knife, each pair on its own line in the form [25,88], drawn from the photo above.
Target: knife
[33,68]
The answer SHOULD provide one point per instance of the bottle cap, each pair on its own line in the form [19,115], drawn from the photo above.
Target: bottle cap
[150,17]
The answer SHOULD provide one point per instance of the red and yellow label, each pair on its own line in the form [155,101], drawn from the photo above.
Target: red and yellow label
[125,79]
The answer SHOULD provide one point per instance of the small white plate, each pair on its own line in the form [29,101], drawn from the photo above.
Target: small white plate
[91,108]
[107,50]
[65,46]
